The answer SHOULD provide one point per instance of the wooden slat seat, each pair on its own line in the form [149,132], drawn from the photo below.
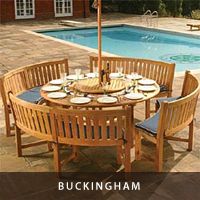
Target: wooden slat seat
[161,72]
[173,116]
[23,80]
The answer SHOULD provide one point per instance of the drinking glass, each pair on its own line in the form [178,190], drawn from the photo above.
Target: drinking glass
[120,70]
[128,85]
[105,87]
[134,78]
[134,75]
[95,71]
[63,76]
[78,73]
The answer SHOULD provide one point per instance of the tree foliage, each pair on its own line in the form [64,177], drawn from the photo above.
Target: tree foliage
[174,8]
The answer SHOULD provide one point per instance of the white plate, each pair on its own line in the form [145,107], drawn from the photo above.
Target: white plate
[134,96]
[107,100]
[144,88]
[146,82]
[57,82]
[74,77]
[57,95]
[134,76]
[92,75]
[80,100]
[115,75]
[51,88]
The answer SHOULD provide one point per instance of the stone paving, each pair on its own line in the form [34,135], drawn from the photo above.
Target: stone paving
[18,48]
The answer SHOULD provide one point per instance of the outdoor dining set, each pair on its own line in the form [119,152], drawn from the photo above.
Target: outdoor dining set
[59,108]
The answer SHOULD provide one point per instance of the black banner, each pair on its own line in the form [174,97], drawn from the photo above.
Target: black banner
[28,186]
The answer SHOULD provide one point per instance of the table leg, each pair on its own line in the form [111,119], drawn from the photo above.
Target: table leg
[147,108]
[133,126]
[75,152]
[51,104]
[132,114]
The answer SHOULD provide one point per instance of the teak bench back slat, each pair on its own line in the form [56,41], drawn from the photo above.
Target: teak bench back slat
[161,72]
[180,113]
[73,127]
[25,78]
[90,127]
[31,118]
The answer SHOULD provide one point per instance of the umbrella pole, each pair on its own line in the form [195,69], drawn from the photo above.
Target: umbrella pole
[99,41]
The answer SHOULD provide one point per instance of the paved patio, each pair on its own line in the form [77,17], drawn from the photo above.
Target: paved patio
[18,48]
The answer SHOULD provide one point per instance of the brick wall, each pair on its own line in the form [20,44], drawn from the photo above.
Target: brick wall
[81,8]
[44,9]
[7,10]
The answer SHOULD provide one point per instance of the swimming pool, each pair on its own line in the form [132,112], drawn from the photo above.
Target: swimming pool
[138,42]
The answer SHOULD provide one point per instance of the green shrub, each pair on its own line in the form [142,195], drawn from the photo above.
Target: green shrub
[195,14]
[162,10]
[175,8]
[138,6]
[131,6]
[190,5]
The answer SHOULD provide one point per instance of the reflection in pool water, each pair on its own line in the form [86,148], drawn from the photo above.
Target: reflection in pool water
[182,58]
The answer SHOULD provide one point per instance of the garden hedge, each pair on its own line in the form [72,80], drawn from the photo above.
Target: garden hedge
[173,8]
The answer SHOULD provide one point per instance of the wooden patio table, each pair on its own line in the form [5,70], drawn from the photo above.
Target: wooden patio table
[121,99]
[94,104]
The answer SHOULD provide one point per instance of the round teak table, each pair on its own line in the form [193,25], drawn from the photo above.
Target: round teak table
[121,99]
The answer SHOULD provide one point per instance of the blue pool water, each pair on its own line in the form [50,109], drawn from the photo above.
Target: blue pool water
[138,42]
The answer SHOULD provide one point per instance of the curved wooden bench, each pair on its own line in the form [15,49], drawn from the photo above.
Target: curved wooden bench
[26,82]
[32,119]
[161,72]
[94,128]
[173,116]
[73,127]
